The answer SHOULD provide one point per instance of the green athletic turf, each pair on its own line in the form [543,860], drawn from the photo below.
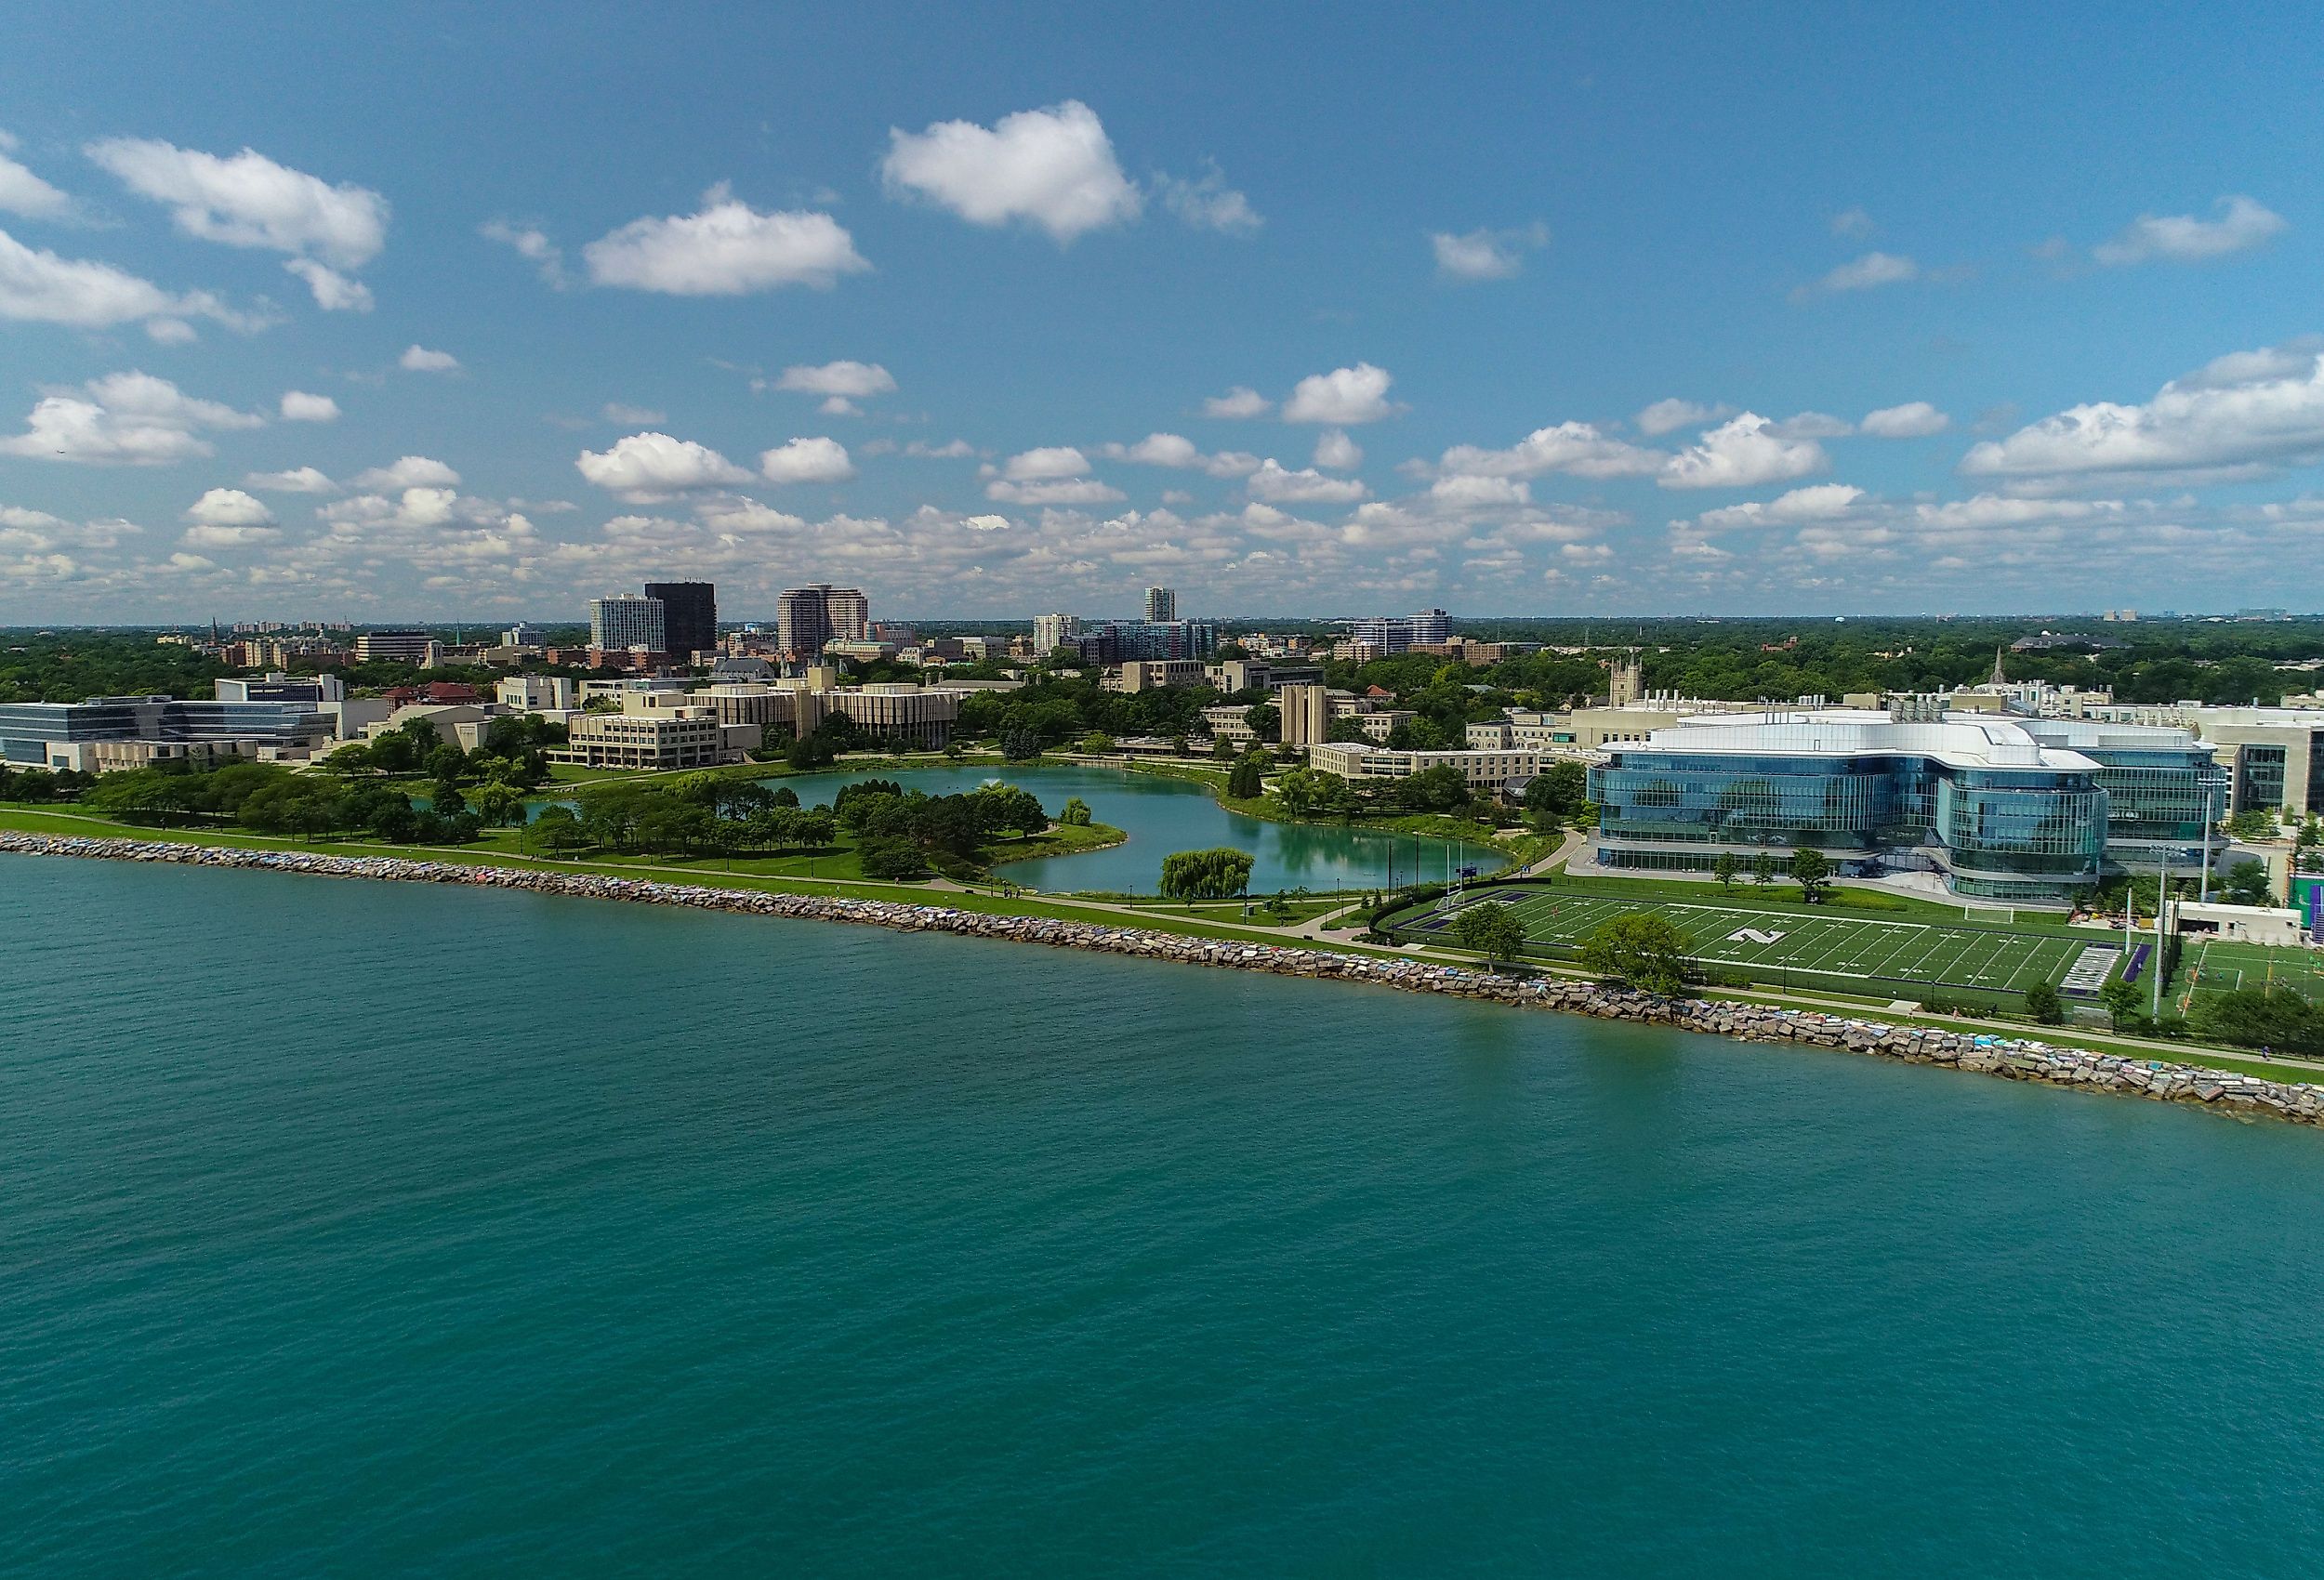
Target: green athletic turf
[1833,950]
[2206,967]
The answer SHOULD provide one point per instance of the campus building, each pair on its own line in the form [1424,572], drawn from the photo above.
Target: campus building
[68,735]
[690,617]
[397,647]
[659,739]
[629,622]
[1400,633]
[2004,808]
[1484,771]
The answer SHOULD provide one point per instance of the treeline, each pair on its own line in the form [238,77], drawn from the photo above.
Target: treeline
[271,799]
[898,834]
[513,752]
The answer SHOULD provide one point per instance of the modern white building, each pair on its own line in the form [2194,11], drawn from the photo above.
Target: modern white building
[1484,771]
[627,622]
[539,693]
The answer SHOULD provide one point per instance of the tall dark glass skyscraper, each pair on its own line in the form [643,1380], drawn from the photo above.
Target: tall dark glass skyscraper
[690,616]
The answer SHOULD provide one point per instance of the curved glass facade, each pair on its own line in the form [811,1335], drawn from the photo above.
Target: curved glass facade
[2030,834]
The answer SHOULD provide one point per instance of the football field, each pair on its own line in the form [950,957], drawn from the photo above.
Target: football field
[1846,954]
[2207,967]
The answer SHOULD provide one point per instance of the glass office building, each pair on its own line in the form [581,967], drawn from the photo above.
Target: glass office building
[2007,809]
[31,731]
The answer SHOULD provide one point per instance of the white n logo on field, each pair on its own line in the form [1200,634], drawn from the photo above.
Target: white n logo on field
[1752,935]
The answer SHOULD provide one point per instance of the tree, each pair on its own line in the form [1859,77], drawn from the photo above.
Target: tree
[1005,806]
[559,830]
[499,803]
[1218,874]
[2247,884]
[1076,813]
[1097,743]
[1551,797]
[2253,822]
[1246,780]
[1725,869]
[2043,1003]
[2122,1000]
[1266,720]
[1021,745]
[1440,789]
[1812,871]
[1639,949]
[1491,930]
[891,858]
[1763,869]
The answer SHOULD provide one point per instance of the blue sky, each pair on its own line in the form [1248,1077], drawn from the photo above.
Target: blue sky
[480,311]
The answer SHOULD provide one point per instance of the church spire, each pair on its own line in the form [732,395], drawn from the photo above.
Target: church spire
[1999,678]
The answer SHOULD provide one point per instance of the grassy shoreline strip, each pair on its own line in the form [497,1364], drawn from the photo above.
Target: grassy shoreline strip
[2011,1058]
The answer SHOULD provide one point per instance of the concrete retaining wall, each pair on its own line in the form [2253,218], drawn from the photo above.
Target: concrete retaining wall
[2015,1058]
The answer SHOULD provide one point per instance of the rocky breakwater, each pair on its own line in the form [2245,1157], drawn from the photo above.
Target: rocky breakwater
[2014,1059]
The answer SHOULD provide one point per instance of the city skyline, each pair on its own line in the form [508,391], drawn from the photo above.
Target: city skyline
[1956,339]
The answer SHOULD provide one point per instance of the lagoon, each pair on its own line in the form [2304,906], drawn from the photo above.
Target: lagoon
[1161,815]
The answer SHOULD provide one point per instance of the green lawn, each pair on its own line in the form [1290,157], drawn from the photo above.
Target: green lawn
[2206,968]
[1809,947]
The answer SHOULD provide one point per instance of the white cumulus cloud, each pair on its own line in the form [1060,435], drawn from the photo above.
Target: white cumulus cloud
[25,193]
[1743,452]
[1343,397]
[227,518]
[2250,409]
[1914,419]
[725,249]
[1276,485]
[299,479]
[1336,452]
[1237,402]
[332,292]
[1485,254]
[838,381]
[1209,204]
[410,471]
[419,358]
[39,286]
[1178,450]
[1053,168]
[531,242]
[248,200]
[300,407]
[1866,273]
[1053,490]
[1669,416]
[1577,448]
[647,467]
[807,460]
[124,419]
[2182,238]
[1047,461]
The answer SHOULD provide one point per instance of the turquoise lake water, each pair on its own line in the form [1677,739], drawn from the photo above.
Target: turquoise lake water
[1162,816]
[367,1228]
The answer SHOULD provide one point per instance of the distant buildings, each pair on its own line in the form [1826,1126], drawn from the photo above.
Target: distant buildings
[1053,631]
[628,623]
[539,693]
[690,617]
[1484,771]
[1398,633]
[807,618]
[395,647]
[1161,605]
[104,733]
